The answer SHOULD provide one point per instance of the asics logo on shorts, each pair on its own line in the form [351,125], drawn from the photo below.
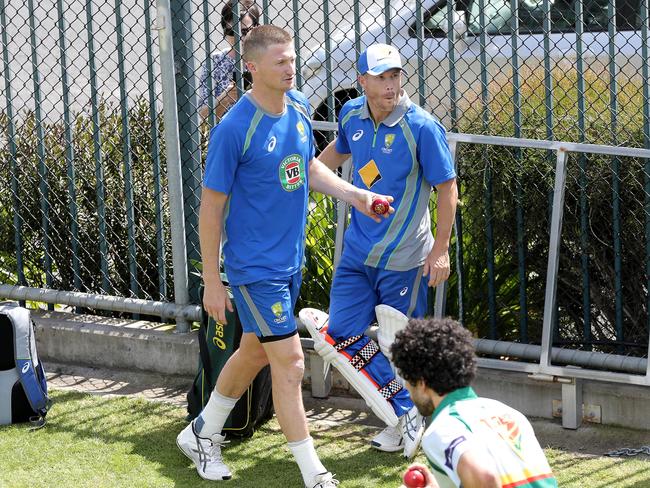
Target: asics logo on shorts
[357,135]
[404,291]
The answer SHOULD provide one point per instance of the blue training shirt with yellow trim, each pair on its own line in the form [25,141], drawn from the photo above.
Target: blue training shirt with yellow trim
[261,161]
[405,156]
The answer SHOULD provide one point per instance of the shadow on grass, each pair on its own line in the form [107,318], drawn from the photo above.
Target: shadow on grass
[150,429]
[601,472]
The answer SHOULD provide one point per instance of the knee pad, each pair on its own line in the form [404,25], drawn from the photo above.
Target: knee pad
[351,367]
[390,321]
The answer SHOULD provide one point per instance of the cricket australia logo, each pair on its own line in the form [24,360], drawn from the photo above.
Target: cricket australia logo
[292,172]
[388,142]
[302,132]
[277,310]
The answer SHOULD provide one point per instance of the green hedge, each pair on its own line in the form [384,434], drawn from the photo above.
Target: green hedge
[525,183]
[85,185]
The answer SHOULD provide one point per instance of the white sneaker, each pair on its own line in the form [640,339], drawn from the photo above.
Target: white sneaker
[205,453]
[412,425]
[324,480]
[389,440]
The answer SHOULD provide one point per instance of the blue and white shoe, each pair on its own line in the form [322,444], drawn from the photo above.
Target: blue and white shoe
[205,453]
[412,425]
[389,440]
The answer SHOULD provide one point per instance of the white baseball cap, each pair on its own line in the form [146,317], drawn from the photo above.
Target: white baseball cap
[378,59]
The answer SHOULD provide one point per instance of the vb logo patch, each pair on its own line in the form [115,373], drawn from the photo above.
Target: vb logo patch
[278,311]
[292,172]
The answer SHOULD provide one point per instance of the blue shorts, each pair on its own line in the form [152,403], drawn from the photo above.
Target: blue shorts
[358,288]
[266,307]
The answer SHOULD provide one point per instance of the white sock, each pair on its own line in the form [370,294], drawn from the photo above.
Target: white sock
[214,415]
[307,459]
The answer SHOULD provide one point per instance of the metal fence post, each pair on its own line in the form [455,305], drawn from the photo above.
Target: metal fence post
[188,128]
[550,309]
[172,143]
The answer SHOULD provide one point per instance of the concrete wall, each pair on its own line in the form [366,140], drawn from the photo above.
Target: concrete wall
[136,345]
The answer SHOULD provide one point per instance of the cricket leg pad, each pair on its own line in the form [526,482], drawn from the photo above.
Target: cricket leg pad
[352,367]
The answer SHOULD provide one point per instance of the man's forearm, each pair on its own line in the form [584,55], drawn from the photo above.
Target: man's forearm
[210,223]
[331,158]
[322,180]
[446,212]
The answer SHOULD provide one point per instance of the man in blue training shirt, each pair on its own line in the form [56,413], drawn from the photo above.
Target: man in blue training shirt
[259,169]
[399,149]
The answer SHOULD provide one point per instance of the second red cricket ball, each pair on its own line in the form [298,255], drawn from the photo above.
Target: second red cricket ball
[414,478]
[380,206]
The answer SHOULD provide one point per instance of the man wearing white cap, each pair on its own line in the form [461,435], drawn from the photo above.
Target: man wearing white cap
[397,149]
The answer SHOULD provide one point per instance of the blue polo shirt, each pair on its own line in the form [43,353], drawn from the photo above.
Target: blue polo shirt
[404,157]
[261,161]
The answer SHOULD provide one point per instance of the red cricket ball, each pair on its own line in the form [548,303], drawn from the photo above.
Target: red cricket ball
[414,478]
[380,206]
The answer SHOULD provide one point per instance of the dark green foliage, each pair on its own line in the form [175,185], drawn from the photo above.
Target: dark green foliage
[86,193]
[497,183]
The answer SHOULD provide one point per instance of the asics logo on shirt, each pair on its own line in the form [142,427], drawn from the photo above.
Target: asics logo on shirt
[272,142]
[357,135]
[404,291]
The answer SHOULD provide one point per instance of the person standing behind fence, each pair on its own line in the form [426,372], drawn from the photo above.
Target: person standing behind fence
[399,149]
[260,167]
[223,62]
[471,442]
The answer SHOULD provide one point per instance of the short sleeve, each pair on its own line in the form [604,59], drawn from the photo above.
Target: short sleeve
[224,154]
[433,153]
[342,144]
[444,444]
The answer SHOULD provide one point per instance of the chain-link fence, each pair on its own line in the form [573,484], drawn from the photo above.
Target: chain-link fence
[82,185]
[84,204]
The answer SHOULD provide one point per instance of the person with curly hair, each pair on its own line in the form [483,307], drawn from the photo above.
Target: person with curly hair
[471,441]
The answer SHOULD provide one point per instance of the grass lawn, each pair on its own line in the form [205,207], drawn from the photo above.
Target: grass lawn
[92,441]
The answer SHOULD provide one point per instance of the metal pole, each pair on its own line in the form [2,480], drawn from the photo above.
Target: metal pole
[11,142]
[583,180]
[519,193]
[172,142]
[134,286]
[645,15]
[387,22]
[69,149]
[188,124]
[43,169]
[451,56]
[103,302]
[616,176]
[419,35]
[297,43]
[97,151]
[553,257]
[155,159]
